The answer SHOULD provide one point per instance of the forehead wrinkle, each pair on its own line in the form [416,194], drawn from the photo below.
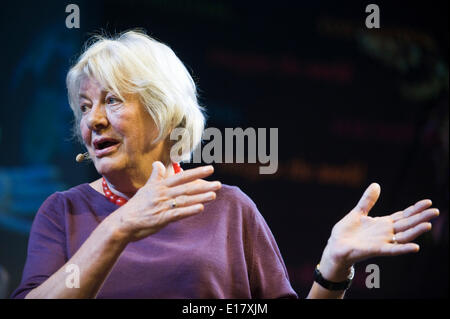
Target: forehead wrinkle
[102,92]
[89,84]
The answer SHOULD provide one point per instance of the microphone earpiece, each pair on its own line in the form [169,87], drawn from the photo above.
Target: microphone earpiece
[82,157]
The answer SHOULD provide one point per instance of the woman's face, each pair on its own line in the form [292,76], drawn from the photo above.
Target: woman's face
[118,134]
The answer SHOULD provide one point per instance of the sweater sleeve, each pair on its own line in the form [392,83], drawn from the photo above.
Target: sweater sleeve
[46,246]
[267,272]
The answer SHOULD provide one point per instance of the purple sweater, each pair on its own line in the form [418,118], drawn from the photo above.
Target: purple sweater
[227,251]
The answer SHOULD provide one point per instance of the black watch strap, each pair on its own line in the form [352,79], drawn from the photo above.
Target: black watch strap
[330,285]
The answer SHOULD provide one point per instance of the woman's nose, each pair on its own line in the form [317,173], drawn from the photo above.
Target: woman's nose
[97,119]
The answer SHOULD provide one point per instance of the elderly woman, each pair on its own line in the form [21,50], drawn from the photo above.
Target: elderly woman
[147,229]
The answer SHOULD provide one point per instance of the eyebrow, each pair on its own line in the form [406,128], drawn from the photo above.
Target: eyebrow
[82,95]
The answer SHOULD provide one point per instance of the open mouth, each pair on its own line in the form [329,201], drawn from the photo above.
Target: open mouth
[105,146]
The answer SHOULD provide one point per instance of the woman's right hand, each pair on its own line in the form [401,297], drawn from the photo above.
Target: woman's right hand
[152,207]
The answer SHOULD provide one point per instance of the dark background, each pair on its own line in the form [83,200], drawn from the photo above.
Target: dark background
[352,106]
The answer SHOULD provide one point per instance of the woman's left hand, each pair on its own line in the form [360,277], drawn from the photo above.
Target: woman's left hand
[358,236]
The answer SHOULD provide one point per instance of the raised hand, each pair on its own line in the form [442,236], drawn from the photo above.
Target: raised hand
[358,236]
[163,200]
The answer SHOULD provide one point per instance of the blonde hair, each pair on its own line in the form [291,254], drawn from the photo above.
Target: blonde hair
[135,63]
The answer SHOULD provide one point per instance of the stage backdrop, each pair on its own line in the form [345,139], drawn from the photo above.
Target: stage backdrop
[352,106]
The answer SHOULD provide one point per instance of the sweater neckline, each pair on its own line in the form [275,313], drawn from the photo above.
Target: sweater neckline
[94,192]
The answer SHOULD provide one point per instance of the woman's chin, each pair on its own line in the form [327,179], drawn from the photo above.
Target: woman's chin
[105,165]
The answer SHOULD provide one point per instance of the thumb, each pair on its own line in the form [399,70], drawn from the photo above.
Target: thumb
[158,172]
[368,199]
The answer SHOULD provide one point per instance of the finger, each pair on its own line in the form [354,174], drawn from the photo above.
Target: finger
[368,199]
[417,207]
[412,233]
[195,187]
[185,200]
[406,223]
[158,172]
[189,175]
[411,210]
[397,216]
[176,214]
[398,249]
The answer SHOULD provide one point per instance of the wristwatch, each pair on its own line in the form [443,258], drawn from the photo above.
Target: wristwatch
[330,285]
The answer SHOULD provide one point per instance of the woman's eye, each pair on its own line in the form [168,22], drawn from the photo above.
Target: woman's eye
[83,108]
[112,100]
